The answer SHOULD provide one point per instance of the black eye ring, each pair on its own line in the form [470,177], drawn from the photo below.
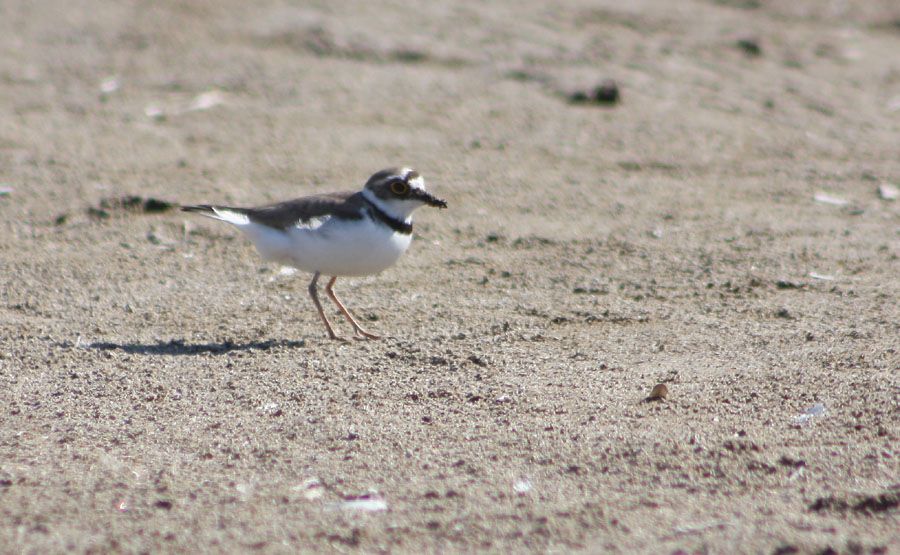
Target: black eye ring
[400,188]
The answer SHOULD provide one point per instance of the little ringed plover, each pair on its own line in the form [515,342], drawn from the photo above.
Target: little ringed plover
[335,234]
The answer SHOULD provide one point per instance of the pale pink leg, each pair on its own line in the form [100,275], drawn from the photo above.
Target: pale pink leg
[313,292]
[329,290]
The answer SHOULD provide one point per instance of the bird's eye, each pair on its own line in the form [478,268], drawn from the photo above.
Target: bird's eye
[399,188]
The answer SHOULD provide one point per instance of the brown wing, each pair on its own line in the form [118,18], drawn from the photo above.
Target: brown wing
[287,214]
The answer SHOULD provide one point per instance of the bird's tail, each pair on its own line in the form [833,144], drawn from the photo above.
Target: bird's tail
[236,216]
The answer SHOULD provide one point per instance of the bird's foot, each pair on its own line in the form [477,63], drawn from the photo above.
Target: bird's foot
[362,335]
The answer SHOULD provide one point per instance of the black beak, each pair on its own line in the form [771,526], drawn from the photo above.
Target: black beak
[428,198]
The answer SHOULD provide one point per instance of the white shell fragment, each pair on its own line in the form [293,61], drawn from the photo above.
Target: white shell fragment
[311,489]
[522,486]
[110,84]
[816,410]
[825,198]
[207,100]
[371,503]
[888,191]
[154,112]
[823,277]
[893,104]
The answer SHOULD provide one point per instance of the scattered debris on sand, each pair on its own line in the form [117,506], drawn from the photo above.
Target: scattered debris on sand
[605,94]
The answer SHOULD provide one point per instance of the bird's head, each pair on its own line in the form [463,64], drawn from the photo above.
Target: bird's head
[400,191]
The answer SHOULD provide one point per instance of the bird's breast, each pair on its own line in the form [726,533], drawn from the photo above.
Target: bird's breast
[346,247]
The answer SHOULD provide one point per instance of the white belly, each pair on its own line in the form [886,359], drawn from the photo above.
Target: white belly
[334,248]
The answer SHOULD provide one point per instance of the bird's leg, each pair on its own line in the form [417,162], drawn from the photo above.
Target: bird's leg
[329,290]
[313,292]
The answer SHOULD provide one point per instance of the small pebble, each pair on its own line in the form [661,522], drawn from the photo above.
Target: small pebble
[658,393]
[607,92]
[579,97]
[750,46]
[155,238]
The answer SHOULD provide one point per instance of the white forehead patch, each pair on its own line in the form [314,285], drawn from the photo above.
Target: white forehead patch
[417,182]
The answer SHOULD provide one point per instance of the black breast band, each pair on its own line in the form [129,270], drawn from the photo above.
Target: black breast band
[397,225]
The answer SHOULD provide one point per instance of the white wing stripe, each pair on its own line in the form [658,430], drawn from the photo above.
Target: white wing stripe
[231,216]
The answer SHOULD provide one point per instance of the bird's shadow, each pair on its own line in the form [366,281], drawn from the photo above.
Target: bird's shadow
[179,347]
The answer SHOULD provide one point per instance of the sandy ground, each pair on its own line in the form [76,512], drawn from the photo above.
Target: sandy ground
[163,390]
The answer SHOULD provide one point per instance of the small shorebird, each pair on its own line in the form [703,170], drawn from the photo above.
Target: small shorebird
[335,234]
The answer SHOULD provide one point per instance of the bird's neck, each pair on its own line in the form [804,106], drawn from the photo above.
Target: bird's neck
[386,214]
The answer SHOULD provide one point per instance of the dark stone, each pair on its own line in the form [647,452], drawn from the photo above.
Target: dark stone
[607,92]
[750,46]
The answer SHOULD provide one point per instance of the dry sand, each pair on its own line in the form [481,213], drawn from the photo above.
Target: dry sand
[162,389]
